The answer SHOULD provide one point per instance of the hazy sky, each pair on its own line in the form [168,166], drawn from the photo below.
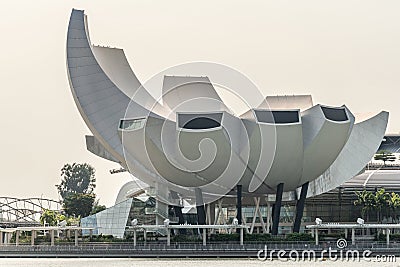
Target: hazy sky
[341,52]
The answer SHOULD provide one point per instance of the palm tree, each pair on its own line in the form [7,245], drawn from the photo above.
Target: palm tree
[381,200]
[394,205]
[367,200]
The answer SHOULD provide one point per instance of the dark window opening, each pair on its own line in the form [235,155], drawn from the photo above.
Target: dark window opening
[335,114]
[199,121]
[277,116]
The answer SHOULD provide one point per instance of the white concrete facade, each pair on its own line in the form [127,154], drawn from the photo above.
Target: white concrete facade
[176,145]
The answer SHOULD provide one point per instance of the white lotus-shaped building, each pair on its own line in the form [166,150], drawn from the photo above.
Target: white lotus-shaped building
[190,144]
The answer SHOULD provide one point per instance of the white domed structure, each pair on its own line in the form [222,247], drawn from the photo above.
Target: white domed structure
[190,145]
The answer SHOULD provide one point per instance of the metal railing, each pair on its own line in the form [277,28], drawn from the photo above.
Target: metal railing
[217,246]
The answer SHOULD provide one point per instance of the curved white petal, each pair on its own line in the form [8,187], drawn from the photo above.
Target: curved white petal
[100,102]
[287,160]
[286,102]
[325,132]
[115,65]
[191,94]
[361,146]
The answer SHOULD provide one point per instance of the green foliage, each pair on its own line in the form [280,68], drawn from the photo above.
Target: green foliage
[185,238]
[379,201]
[76,189]
[51,217]
[335,236]
[97,208]
[261,237]
[73,221]
[384,156]
[106,238]
[224,237]
[393,201]
[258,237]
[299,237]
[78,204]
[365,199]
[76,179]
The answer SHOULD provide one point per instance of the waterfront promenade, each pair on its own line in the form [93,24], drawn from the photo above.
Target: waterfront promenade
[182,250]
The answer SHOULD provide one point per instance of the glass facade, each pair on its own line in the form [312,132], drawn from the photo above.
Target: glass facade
[111,221]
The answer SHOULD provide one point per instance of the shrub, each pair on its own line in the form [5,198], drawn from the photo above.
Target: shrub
[299,237]
[185,238]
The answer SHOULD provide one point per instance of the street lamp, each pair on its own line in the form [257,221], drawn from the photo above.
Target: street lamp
[235,221]
[166,222]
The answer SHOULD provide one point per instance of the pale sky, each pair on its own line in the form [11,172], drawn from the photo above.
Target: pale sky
[341,52]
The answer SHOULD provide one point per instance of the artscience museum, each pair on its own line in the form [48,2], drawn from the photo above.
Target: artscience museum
[180,134]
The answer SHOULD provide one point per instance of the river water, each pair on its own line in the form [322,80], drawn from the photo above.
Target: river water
[178,262]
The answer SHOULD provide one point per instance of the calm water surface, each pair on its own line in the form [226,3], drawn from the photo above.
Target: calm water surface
[174,262]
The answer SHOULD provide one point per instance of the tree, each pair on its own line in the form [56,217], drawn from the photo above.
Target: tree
[394,204]
[384,156]
[381,202]
[51,217]
[76,179]
[78,204]
[97,207]
[367,200]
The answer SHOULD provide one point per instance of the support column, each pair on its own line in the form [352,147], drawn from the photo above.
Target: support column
[353,236]
[52,237]
[239,203]
[268,217]
[255,213]
[145,236]
[387,236]
[76,237]
[1,238]
[201,213]
[134,237]
[300,208]
[6,238]
[241,236]
[33,237]
[316,237]
[264,229]
[168,237]
[181,220]
[208,213]
[217,214]
[204,237]
[277,209]
[212,213]
[179,214]
[91,234]
[17,237]
[346,233]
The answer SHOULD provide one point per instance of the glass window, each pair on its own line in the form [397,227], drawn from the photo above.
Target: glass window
[132,124]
